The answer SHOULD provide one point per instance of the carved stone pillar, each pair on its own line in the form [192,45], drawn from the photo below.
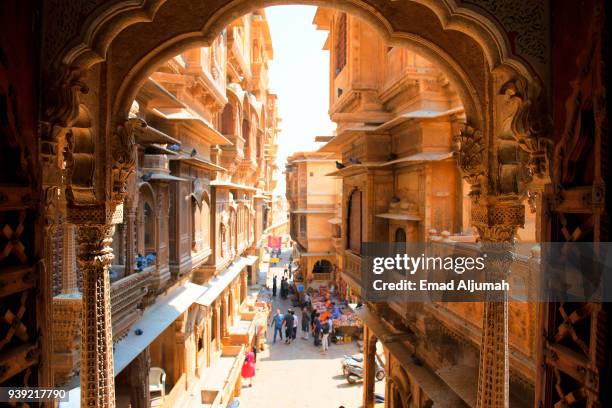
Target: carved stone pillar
[139,380]
[497,226]
[94,230]
[217,312]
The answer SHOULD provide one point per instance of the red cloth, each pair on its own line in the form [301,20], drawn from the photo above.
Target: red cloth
[248,367]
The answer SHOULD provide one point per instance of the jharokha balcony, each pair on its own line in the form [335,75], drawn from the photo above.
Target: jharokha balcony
[127,296]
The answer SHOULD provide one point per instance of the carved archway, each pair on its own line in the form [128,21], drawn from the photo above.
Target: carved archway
[498,89]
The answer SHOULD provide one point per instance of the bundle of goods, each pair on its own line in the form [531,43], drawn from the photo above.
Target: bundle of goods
[348,319]
[264,297]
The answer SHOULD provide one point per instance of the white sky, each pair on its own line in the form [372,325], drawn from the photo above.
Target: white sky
[299,74]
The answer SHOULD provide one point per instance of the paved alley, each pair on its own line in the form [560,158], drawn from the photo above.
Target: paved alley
[298,375]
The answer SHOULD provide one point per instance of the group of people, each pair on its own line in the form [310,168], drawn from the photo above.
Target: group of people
[287,323]
[312,323]
[284,287]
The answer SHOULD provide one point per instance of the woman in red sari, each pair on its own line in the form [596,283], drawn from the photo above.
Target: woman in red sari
[248,367]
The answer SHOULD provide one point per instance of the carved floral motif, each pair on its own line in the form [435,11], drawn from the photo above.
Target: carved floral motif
[470,154]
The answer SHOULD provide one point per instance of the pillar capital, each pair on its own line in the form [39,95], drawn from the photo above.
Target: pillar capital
[107,213]
[498,222]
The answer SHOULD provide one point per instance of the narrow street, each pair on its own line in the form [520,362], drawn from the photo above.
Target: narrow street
[298,375]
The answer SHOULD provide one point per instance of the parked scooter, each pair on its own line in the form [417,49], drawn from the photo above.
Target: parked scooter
[354,370]
[346,360]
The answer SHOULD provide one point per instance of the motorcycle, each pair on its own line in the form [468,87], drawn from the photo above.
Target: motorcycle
[346,360]
[354,369]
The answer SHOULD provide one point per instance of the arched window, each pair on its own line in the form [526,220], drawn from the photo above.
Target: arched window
[223,239]
[205,224]
[354,222]
[400,235]
[229,119]
[149,228]
[322,266]
[194,222]
[341,43]
[232,229]
[246,135]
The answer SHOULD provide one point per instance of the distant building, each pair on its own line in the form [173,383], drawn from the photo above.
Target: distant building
[313,199]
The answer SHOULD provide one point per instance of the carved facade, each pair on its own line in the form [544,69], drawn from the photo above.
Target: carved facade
[402,128]
[191,175]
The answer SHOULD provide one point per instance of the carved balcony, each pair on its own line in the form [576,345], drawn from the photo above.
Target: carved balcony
[352,269]
[126,301]
[156,163]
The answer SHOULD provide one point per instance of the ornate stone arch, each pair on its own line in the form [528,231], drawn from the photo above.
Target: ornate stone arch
[470,45]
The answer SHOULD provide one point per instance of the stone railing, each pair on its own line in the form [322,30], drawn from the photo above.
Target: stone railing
[352,267]
[126,298]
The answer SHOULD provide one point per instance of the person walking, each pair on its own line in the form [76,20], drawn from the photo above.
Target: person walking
[305,323]
[288,325]
[274,286]
[284,288]
[248,367]
[295,325]
[325,336]
[307,300]
[277,321]
[316,331]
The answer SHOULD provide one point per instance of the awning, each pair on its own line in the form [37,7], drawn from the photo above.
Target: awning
[217,285]
[157,96]
[149,134]
[159,149]
[351,169]
[399,216]
[251,260]
[163,177]
[198,162]
[196,122]
[229,184]
[154,321]
[420,157]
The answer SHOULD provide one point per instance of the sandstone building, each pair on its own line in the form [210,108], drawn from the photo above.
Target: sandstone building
[313,198]
[195,213]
